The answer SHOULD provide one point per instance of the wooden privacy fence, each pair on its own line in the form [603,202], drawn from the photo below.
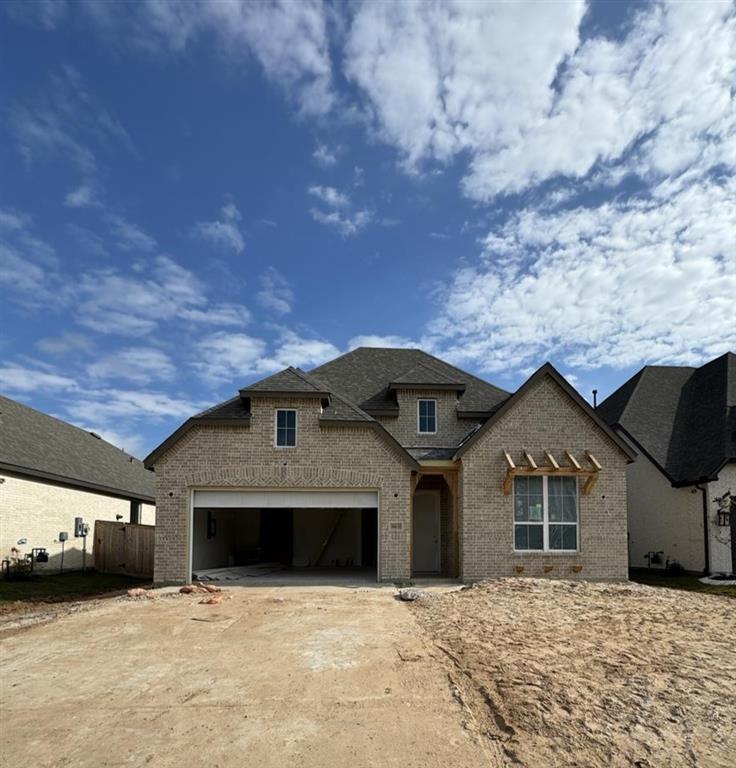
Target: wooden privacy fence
[124,548]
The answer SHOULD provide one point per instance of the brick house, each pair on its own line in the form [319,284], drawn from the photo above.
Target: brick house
[681,421]
[395,461]
[52,472]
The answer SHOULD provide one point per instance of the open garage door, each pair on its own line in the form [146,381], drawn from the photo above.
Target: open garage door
[246,534]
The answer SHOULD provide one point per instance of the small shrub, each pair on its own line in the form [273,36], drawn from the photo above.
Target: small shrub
[673,568]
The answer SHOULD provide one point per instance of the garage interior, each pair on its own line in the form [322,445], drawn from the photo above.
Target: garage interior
[232,543]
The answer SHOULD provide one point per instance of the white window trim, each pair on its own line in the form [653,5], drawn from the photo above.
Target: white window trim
[545,522]
[436,415]
[276,429]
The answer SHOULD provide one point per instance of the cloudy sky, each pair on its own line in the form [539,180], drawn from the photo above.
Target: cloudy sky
[195,195]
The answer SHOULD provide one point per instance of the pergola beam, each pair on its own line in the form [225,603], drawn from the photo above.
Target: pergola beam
[554,468]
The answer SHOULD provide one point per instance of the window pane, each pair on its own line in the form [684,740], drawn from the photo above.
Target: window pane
[291,419]
[555,537]
[521,537]
[520,509]
[555,508]
[280,419]
[536,508]
[535,485]
[570,509]
[569,537]
[536,536]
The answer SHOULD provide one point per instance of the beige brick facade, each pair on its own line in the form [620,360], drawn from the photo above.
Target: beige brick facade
[355,456]
[37,511]
[450,429]
[545,418]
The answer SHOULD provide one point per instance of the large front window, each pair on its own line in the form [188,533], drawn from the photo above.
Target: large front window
[285,428]
[427,417]
[546,513]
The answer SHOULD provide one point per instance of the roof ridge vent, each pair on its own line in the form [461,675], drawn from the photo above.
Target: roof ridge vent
[94,434]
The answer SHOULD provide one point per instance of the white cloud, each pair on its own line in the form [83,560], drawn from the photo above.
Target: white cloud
[346,224]
[296,350]
[289,40]
[15,378]
[110,406]
[374,340]
[84,196]
[223,357]
[129,236]
[275,294]
[65,343]
[112,302]
[513,86]
[140,365]
[234,357]
[324,156]
[629,281]
[330,196]
[225,231]
[218,314]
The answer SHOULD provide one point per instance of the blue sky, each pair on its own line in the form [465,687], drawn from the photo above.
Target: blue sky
[195,195]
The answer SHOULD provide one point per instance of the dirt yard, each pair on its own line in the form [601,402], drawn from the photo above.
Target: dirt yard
[580,674]
[509,673]
[272,677]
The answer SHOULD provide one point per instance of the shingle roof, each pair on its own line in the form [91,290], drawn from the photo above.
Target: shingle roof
[35,444]
[290,380]
[364,375]
[421,375]
[683,418]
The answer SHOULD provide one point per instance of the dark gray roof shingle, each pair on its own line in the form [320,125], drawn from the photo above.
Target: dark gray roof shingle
[683,418]
[35,444]
[290,380]
[364,375]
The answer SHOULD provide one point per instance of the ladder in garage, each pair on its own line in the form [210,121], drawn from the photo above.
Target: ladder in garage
[328,539]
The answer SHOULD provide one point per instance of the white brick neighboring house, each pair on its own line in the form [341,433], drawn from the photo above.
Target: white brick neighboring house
[682,423]
[52,472]
[395,461]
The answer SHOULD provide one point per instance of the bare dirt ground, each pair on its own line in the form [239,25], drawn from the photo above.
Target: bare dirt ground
[274,677]
[583,674]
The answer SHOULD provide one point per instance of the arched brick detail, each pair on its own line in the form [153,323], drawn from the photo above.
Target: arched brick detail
[269,476]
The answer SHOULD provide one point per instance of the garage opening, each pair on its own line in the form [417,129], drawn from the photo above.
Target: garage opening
[249,535]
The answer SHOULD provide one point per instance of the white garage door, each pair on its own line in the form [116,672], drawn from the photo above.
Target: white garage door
[287,499]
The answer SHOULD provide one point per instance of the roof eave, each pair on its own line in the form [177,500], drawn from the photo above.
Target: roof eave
[548,370]
[426,387]
[73,482]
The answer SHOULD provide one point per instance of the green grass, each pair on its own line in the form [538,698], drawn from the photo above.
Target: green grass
[690,583]
[63,587]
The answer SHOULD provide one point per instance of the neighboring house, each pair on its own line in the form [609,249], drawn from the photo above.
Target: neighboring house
[393,460]
[52,473]
[682,422]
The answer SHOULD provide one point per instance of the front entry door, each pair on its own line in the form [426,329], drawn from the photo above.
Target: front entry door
[426,532]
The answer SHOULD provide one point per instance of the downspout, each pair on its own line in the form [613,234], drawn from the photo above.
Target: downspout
[706,532]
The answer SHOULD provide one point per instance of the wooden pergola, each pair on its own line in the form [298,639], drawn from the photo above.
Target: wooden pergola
[552,467]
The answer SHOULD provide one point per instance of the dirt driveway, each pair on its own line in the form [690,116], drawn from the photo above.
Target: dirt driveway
[273,677]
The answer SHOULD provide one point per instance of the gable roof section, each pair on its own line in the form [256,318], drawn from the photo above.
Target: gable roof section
[290,381]
[35,444]
[364,374]
[421,376]
[546,370]
[682,418]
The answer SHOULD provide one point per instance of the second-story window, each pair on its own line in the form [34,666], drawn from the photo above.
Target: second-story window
[285,428]
[427,417]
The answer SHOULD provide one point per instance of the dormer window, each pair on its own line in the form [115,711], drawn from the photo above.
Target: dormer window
[427,417]
[285,428]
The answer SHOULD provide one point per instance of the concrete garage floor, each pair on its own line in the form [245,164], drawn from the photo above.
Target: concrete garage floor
[297,676]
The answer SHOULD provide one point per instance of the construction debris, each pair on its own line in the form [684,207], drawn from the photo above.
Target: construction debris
[410,594]
[140,592]
[213,600]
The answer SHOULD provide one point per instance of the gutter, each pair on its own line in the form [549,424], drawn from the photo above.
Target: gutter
[706,533]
